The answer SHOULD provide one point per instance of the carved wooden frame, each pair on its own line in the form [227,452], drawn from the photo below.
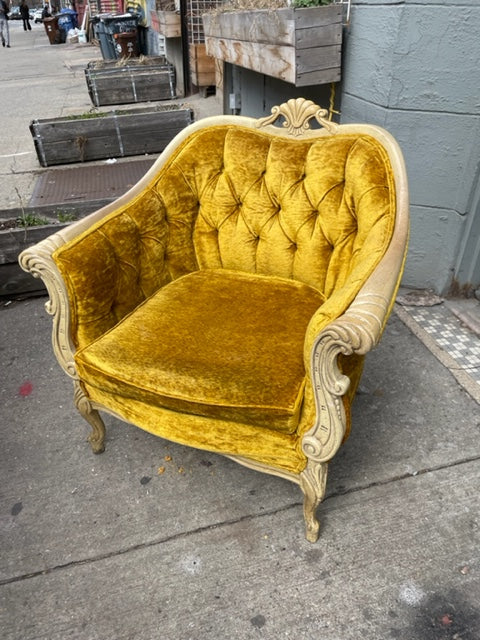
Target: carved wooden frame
[356,331]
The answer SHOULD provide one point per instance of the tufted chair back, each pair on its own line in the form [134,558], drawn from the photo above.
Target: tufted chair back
[320,211]
[275,206]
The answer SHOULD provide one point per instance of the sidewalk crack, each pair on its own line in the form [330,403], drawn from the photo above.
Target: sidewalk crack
[233,521]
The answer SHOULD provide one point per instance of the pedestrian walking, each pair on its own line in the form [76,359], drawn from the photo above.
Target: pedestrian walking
[4,31]
[25,13]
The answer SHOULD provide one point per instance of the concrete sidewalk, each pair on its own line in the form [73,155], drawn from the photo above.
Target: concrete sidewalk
[107,547]
[39,80]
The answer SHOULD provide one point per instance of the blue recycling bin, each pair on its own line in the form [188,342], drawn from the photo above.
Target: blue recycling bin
[67,20]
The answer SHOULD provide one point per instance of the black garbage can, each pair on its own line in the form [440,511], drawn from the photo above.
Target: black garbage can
[107,46]
[108,26]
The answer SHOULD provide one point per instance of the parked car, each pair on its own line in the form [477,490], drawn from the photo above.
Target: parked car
[14,14]
[38,15]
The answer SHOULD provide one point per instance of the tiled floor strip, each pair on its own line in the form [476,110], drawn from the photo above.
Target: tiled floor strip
[454,345]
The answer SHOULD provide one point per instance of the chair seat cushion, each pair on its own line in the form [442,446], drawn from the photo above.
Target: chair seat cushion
[214,343]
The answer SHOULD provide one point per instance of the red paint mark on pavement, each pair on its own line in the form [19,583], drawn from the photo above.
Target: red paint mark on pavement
[446,620]
[26,389]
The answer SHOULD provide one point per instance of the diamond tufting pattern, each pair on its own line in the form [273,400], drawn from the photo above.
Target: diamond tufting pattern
[315,211]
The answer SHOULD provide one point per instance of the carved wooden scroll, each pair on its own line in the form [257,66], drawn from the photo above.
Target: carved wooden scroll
[39,263]
[297,113]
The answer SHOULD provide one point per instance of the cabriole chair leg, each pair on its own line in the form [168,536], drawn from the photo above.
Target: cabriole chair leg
[313,483]
[91,415]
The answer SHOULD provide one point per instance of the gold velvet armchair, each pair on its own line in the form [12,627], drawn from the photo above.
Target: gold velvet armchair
[226,302]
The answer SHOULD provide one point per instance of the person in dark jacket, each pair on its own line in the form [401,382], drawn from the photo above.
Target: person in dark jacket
[25,13]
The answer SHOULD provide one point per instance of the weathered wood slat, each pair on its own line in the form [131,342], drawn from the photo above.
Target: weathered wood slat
[312,17]
[135,141]
[113,91]
[13,241]
[169,24]
[205,79]
[323,76]
[117,134]
[131,88]
[254,56]
[299,46]
[324,35]
[14,281]
[109,83]
[317,58]
[260,25]
[202,66]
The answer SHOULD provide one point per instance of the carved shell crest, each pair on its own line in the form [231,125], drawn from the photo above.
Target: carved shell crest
[297,113]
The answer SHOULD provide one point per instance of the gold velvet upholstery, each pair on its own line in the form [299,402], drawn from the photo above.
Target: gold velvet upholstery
[197,362]
[199,302]
[235,199]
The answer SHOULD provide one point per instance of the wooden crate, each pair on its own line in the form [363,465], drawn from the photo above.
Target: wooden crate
[169,24]
[115,134]
[300,46]
[136,80]
[202,66]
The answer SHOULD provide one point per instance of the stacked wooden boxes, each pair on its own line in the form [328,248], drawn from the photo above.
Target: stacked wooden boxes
[169,24]
[202,66]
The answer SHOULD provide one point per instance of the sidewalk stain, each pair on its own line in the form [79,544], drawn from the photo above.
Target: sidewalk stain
[441,617]
[25,389]
[17,507]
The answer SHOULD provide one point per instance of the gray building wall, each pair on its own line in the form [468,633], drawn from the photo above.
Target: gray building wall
[255,93]
[413,67]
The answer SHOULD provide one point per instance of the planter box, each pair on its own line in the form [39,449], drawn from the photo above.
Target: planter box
[114,134]
[169,24]
[12,242]
[300,46]
[75,200]
[202,66]
[145,80]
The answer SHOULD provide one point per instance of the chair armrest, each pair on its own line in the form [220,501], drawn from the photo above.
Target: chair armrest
[38,261]
[355,331]
[95,272]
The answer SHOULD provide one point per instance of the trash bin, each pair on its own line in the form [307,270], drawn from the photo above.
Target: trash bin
[107,46]
[67,20]
[126,44]
[108,26]
[54,33]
